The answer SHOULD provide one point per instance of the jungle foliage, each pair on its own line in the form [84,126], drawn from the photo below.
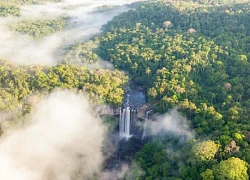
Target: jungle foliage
[21,87]
[193,55]
[39,28]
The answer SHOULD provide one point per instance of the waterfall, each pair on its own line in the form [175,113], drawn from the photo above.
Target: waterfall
[126,122]
[145,124]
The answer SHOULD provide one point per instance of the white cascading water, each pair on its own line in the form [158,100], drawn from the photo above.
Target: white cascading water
[145,124]
[126,122]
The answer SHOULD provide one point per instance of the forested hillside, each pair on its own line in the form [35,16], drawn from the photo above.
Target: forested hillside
[22,87]
[189,55]
[194,56]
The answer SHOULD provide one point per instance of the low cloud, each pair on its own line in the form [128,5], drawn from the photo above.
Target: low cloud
[62,140]
[172,123]
[47,51]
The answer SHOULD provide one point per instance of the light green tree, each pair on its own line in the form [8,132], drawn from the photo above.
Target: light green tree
[231,169]
[206,150]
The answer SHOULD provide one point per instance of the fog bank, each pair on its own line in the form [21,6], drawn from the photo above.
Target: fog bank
[172,123]
[84,23]
[62,140]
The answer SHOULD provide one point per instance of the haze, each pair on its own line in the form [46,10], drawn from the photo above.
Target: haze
[47,51]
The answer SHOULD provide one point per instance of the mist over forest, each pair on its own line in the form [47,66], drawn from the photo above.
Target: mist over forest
[124,90]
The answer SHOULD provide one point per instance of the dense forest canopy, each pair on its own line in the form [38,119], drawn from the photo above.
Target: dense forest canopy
[39,28]
[192,55]
[22,86]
